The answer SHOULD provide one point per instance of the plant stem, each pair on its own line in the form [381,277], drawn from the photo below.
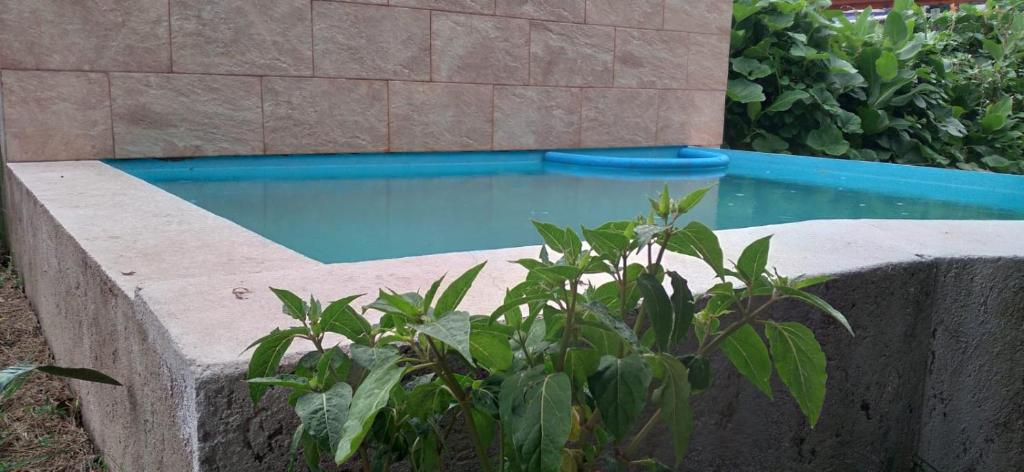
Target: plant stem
[648,427]
[746,319]
[464,404]
[569,333]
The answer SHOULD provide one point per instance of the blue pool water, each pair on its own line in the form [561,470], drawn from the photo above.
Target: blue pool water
[354,208]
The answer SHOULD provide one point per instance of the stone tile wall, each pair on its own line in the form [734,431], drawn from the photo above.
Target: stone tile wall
[170,78]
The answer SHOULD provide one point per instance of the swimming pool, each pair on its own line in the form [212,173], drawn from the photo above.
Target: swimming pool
[346,208]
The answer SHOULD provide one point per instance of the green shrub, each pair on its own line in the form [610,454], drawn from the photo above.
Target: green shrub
[564,375]
[926,88]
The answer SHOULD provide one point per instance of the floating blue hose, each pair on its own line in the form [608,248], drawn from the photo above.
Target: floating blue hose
[686,159]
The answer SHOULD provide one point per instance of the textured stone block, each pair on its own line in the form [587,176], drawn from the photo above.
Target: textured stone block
[306,116]
[556,10]
[371,42]
[536,117]
[709,62]
[699,16]
[575,55]
[440,117]
[186,115]
[619,118]
[480,49]
[634,13]
[53,116]
[468,6]
[693,117]
[259,37]
[651,59]
[126,35]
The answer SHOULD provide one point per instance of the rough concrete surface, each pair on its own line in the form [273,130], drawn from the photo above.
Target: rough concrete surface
[164,296]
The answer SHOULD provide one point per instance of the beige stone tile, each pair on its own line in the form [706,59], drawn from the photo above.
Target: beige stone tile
[480,49]
[536,117]
[574,55]
[699,16]
[258,37]
[440,117]
[619,118]
[694,117]
[556,10]
[632,13]
[124,35]
[186,115]
[306,116]
[709,62]
[54,116]
[468,6]
[371,42]
[651,59]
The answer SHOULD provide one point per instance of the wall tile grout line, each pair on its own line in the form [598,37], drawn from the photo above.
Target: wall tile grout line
[312,39]
[170,39]
[377,79]
[110,105]
[263,117]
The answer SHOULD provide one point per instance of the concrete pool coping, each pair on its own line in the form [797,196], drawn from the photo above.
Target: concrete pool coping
[165,296]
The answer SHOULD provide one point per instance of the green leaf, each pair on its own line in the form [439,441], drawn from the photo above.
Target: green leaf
[786,100]
[805,282]
[339,317]
[817,302]
[543,429]
[674,399]
[994,49]
[367,357]
[896,28]
[616,325]
[754,259]
[490,349]
[750,68]
[691,200]
[620,390]
[747,352]
[697,240]
[744,91]
[553,236]
[13,377]
[887,66]
[293,306]
[682,307]
[997,115]
[295,382]
[323,414]
[700,371]
[658,308]
[768,142]
[742,11]
[368,400]
[828,139]
[267,358]
[609,244]
[453,295]
[452,330]
[88,375]
[801,365]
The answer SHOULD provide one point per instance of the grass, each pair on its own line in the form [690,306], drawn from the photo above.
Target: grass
[40,426]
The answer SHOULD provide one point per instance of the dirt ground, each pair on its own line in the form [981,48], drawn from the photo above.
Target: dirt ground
[40,427]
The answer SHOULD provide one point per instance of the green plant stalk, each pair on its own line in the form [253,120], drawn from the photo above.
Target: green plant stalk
[569,334]
[747,318]
[467,408]
[642,434]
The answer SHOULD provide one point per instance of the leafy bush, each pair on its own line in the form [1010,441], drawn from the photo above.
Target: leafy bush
[926,88]
[560,376]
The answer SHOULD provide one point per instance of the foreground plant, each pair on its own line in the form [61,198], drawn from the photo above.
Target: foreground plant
[13,377]
[560,376]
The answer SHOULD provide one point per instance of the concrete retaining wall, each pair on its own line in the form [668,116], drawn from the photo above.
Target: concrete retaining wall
[145,286]
[168,78]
